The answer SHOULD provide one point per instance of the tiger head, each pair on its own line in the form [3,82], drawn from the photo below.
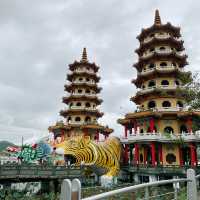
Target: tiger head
[74,147]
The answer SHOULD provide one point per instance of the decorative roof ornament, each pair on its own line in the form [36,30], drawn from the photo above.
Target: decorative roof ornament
[157,20]
[84,56]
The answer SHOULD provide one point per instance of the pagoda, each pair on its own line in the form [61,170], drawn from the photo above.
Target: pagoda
[81,114]
[160,138]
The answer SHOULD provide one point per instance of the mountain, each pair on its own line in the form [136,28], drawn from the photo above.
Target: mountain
[5,144]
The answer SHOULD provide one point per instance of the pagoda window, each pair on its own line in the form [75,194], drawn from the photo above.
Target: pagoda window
[151,66]
[80,79]
[151,104]
[162,48]
[77,119]
[174,64]
[177,83]
[70,105]
[183,129]
[151,84]
[87,91]
[152,35]
[80,91]
[87,105]
[152,49]
[78,104]
[69,119]
[163,64]
[165,83]
[88,119]
[141,130]
[87,79]
[179,104]
[168,129]
[166,104]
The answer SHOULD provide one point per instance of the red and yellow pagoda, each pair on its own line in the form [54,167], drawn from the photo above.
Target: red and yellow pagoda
[160,133]
[81,114]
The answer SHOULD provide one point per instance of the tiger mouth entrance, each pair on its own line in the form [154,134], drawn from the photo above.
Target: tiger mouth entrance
[69,159]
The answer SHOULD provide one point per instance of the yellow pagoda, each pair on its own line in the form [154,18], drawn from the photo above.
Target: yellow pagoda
[159,137]
[81,114]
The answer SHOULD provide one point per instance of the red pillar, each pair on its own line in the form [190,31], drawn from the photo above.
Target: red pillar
[151,124]
[192,154]
[125,131]
[189,124]
[126,154]
[136,156]
[153,154]
[181,156]
[160,154]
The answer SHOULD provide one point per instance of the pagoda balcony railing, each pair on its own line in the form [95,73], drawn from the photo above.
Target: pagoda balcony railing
[82,108]
[150,89]
[161,137]
[84,82]
[166,68]
[163,109]
[166,51]
[172,109]
[164,36]
[84,70]
[83,94]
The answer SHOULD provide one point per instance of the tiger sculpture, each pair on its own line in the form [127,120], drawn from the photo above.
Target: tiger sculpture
[104,155]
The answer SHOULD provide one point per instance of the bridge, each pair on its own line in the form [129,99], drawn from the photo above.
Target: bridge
[32,173]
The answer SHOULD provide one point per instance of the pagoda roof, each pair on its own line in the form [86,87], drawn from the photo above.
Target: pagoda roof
[130,117]
[82,98]
[81,111]
[156,73]
[72,86]
[83,74]
[158,26]
[157,93]
[178,44]
[156,56]
[85,126]
[83,62]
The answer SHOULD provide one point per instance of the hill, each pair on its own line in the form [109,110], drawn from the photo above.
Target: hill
[5,144]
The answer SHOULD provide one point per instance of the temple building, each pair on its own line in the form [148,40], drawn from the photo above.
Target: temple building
[160,138]
[81,114]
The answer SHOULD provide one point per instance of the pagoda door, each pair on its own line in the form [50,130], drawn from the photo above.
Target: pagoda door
[186,156]
[149,159]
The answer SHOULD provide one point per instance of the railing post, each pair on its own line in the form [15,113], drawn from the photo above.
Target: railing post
[66,190]
[76,189]
[146,193]
[191,185]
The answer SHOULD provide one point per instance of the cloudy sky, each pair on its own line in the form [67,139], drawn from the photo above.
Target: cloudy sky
[38,39]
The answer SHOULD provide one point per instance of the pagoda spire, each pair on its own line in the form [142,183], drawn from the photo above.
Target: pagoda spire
[157,20]
[84,56]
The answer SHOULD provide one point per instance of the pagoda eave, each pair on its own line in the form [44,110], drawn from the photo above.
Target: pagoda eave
[95,99]
[152,74]
[156,28]
[96,113]
[76,64]
[71,87]
[102,129]
[157,56]
[83,74]
[178,44]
